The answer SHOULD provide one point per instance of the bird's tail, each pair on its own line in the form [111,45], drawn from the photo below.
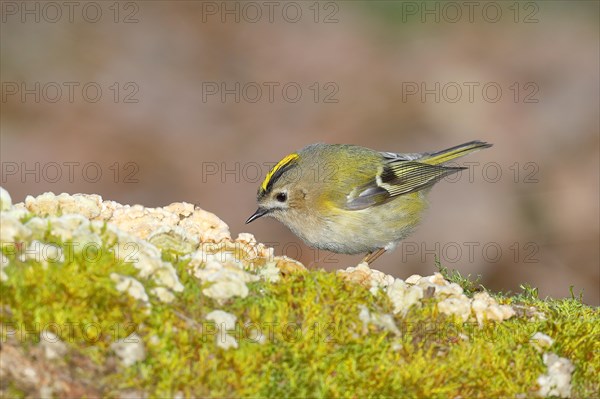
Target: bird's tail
[449,154]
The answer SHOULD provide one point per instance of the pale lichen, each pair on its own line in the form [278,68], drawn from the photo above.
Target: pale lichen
[194,224]
[381,320]
[131,286]
[200,223]
[364,275]
[48,204]
[173,238]
[451,299]
[223,322]
[145,257]
[4,262]
[403,295]
[67,227]
[163,294]
[11,228]
[486,308]
[224,272]
[38,226]
[557,380]
[270,272]
[541,341]
[436,284]
[5,200]
[229,265]
[460,307]
[129,350]
[75,220]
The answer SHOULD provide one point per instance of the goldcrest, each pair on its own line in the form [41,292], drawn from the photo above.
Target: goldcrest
[349,199]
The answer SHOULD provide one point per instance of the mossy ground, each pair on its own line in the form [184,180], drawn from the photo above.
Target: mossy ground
[298,337]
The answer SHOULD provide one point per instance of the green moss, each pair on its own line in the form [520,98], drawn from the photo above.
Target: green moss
[299,337]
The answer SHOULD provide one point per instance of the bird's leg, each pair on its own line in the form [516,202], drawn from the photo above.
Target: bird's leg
[372,256]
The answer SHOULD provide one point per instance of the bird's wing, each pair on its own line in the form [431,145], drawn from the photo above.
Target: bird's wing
[398,176]
[394,156]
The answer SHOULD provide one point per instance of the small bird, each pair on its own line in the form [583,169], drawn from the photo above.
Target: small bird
[349,199]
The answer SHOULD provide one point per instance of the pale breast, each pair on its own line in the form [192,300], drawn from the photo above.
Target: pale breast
[361,231]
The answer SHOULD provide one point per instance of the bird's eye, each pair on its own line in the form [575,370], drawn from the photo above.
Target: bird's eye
[281,197]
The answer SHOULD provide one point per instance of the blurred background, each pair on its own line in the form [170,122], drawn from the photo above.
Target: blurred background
[160,102]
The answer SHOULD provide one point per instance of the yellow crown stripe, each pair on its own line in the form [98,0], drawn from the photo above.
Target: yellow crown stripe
[285,161]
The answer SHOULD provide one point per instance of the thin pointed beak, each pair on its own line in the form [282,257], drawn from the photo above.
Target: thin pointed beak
[259,212]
